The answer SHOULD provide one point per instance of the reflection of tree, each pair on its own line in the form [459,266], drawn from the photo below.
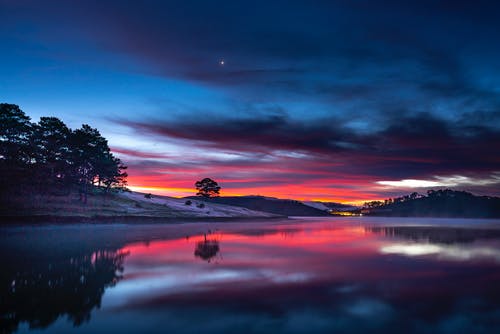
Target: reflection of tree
[40,292]
[288,234]
[206,249]
[437,234]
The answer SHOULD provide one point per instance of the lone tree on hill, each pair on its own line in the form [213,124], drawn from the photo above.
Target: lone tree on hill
[207,188]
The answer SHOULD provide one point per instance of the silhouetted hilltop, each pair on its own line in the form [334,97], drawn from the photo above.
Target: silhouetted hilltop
[437,203]
[329,206]
[277,206]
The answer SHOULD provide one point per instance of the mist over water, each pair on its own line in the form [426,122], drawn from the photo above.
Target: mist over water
[318,275]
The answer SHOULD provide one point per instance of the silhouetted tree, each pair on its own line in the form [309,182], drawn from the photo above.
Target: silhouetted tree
[415,195]
[111,172]
[51,151]
[93,163]
[441,203]
[373,204]
[15,148]
[207,188]
[37,157]
[15,132]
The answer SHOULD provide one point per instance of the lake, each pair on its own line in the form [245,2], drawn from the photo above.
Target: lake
[308,275]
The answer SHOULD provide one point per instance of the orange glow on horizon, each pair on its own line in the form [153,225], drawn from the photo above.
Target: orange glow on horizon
[354,194]
[184,192]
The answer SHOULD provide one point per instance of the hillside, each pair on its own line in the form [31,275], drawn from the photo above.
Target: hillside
[285,207]
[123,204]
[440,203]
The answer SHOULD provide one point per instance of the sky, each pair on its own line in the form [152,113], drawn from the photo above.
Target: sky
[332,100]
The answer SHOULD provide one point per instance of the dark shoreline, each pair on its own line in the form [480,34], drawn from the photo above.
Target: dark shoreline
[136,220]
[49,219]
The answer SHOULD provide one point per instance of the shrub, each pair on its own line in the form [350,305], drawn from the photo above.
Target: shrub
[148,196]
[201,205]
[188,202]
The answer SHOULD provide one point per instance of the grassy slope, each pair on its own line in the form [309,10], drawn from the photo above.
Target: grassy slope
[121,204]
[276,206]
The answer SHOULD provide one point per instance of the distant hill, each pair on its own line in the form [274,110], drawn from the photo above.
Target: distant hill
[286,207]
[438,203]
[329,206]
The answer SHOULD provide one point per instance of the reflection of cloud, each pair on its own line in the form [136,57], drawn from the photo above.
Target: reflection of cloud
[411,249]
[325,279]
[283,277]
[469,254]
[368,308]
[459,253]
[348,288]
[176,280]
[171,281]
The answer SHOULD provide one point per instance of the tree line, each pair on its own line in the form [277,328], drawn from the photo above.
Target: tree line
[389,201]
[48,157]
[437,203]
[431,194]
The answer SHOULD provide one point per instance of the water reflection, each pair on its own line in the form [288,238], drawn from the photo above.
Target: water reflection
[450,243]
[206,249]
[437,234]
[40,292]
[310,277]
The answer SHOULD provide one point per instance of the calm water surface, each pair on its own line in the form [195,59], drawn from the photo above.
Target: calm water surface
[334,275]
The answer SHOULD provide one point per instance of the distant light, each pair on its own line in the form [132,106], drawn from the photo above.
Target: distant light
[222,62]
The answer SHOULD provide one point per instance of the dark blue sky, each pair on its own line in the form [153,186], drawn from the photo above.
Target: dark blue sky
[343,100]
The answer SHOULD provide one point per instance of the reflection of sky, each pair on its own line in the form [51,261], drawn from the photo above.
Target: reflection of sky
[299,277]
[459,253]
[281,257]
[304,272]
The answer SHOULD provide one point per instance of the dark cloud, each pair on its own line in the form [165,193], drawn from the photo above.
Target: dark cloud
[255,134]
[266,40]
[130,153]
[380,89]
[363,58]
[419,144]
